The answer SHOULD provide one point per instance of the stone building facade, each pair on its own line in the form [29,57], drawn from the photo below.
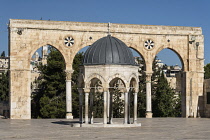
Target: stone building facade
[4,64]
[26,36]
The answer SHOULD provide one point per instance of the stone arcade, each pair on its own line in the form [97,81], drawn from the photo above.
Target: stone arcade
[26,36]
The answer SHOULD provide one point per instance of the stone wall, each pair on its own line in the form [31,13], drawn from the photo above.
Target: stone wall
[206,105]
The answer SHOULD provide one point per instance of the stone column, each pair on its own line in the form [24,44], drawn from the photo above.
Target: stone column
[80,105]
[129,107]
[126,108]
[110,107]
[91,107]
[86,107]
[105,107]
[108,102]
[148,96]
[135,109]
[68,95]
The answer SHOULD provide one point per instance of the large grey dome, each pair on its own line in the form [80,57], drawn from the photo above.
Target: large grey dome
[108,50]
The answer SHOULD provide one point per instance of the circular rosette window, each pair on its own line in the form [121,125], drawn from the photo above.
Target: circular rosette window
[69,41]
[149,44]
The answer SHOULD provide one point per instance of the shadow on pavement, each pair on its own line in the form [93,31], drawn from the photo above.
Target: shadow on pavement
[65,122]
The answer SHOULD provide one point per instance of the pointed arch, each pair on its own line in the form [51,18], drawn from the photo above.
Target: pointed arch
[92,76]
[142,57]
[31,53]
[176,52]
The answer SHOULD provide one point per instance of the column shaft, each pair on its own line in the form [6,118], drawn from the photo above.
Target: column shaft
[68,95]
[148,96]
[86,107]
[105,107]
[135,108]
[126,108]
[91,108]
[68,100]
[108,102]
[110,109]
[80,106]
[129,107]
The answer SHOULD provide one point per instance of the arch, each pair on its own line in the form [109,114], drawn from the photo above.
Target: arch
[178,54]
[94,75]
[34,50]
[133,75]
[142,56]
[134,78]
[96,85]
[119,76]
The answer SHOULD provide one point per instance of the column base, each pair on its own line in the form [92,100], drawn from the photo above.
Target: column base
[148,114]
[69,116]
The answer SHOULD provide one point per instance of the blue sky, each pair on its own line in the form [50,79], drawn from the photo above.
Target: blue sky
[195,13]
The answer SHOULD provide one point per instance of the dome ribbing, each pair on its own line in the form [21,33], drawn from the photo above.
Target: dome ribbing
[108,51]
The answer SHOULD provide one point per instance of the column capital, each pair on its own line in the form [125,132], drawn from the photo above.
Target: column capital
[126,90]
[136,90]
[135,93]
[148,76]
[105,89]
[86,90]
[69,74]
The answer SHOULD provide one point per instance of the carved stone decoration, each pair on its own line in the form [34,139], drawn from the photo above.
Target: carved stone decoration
[149,44]
[69,74]
[69,41]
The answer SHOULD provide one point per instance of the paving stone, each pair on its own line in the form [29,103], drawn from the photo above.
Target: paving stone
[155,128]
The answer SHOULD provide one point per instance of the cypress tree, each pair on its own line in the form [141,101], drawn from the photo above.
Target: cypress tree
[164,99]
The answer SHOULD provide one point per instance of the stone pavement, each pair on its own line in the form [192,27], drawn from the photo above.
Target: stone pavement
[151,129]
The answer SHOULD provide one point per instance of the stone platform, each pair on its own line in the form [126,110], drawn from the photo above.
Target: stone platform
[105,125]
[151,129]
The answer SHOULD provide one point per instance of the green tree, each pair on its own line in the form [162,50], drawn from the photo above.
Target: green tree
[164,100]
[4,87]
[117,104]
[78,60]
[207,71]
[98,105]
[49,101]
[142,90]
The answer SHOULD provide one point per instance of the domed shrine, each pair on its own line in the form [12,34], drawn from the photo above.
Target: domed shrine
[108,66]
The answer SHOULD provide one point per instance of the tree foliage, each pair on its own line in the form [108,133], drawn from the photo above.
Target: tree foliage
[75,94]
[165,103]
[164,100]
[49,101]
[4,86]
[142,90]
[98,105]
[207,71]
[117,104]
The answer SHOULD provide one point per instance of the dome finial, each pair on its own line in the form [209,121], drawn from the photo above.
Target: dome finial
[109,25]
